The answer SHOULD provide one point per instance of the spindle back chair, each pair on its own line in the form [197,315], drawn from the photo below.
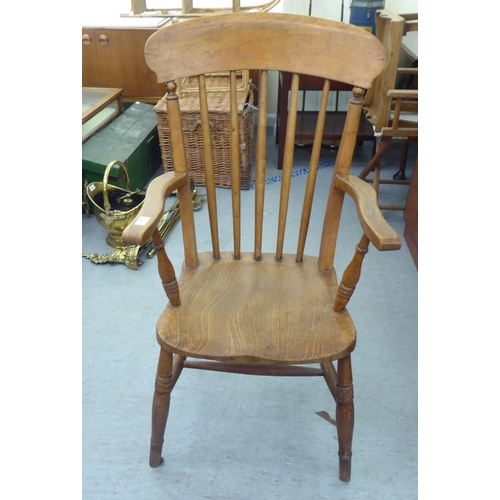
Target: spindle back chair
[256,312]
[384,102]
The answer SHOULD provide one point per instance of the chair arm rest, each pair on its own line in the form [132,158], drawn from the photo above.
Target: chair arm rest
[140,230]
[372,221]
[402,94]
[407,71]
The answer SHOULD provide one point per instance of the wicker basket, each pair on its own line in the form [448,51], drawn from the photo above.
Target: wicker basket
[214,83]
[218,107]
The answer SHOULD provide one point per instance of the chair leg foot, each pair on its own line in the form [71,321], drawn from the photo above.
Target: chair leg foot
[345,468]
[155,458]
[345,416]
[161,405]
[400,175]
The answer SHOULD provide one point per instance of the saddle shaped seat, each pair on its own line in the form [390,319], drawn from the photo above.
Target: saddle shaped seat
[257,311]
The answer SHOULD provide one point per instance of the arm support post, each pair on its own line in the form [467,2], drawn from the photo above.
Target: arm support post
[351,275]
[145,226]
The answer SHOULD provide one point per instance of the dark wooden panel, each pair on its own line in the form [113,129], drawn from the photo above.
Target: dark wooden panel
[120,63]
[411,216]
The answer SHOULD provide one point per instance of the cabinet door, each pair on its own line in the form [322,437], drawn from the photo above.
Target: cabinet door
[114,58]
[411,216]
[90,69]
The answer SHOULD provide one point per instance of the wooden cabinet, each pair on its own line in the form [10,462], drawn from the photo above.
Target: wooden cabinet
[114,58]
[99,108]
[306,120]
[411,216]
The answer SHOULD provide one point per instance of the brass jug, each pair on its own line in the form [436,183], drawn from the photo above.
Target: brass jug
[115,208]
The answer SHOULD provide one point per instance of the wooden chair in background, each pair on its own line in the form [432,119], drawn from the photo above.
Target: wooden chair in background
[392,111]
[261,313]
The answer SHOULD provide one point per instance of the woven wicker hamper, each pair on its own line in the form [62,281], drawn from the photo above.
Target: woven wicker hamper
[218,107]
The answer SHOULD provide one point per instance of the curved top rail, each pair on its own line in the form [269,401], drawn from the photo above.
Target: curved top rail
[268,41]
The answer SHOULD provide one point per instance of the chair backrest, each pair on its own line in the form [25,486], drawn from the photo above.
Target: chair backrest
[390,31]
[405,104]
[266,42]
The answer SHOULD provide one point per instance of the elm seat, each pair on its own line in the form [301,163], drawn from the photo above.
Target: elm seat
[262,312]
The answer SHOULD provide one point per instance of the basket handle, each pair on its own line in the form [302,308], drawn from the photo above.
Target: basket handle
[107,205]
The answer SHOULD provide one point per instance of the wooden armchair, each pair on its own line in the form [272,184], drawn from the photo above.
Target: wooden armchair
[392,111]
[254,312]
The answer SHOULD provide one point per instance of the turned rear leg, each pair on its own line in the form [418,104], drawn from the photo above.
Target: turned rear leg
[345,416]
[161,404]
[400,175]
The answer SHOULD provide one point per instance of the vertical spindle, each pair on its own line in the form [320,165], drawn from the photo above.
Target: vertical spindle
[286,175]
[313,169]
[234,153]
[209,166]
[260,161]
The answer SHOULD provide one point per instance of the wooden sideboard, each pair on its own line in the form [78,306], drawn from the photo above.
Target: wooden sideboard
[306,120]
[411,216]
[114,58]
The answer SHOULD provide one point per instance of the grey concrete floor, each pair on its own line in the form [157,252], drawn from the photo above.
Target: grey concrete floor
[241,437]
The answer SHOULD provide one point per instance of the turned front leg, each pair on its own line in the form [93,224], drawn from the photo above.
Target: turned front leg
[345,416]
[161,405]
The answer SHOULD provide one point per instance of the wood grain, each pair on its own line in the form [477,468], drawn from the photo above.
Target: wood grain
[377,105]
[120,64]
[209,166]
[336,196]
[372,221]
[141,228]
[248,311]
[249,369]
[166,270]
[345,416]
[259,313]
[313,170]
[234,153]
[286,176]
[180,165]
[260,165]
[351,275]
[186,49]
[161,406]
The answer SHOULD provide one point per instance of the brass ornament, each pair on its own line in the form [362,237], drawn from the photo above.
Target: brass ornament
[126,255]
[115,208]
